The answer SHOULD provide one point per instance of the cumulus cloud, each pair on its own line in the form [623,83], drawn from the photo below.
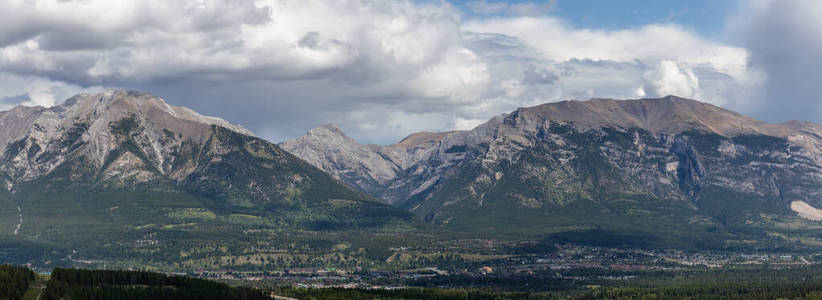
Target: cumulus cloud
[652,60]
[103,41]
[35,91]
[558,41]
[670,78]
[378,69]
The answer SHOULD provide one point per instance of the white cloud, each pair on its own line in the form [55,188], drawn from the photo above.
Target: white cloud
[513,88]
[467,124]
[557,41]
[660,58]
[379,69]
[459,77]
[671,78]
[217,38]
[640,92]
[35,91]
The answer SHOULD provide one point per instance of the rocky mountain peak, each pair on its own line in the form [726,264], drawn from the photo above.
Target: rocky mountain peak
[96,126]
[328,148]
[366,167]
[123,102]
[327,130]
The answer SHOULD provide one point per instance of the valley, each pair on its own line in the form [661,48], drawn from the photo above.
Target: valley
[21,283]
[555,198]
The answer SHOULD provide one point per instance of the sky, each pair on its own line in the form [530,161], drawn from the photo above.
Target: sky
[381,70]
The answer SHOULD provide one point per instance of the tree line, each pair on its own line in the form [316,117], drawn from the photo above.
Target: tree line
[14,281]
[125,285]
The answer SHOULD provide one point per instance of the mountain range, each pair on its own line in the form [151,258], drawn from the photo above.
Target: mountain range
[121,178]
[647,165]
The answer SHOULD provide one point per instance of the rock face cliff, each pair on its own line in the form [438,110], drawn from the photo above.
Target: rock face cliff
[601,162]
